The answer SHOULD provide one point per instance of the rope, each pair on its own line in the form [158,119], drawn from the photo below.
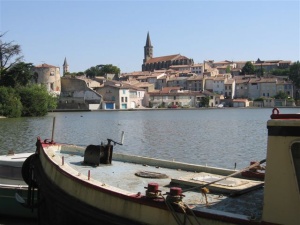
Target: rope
[169,201]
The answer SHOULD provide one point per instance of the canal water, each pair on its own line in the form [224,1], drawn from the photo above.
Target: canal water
[214,137]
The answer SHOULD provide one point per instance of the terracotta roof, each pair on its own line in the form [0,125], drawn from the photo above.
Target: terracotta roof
[195,78]
[240,81]
[169,89]
[229,81]
[166,58]
[223,62]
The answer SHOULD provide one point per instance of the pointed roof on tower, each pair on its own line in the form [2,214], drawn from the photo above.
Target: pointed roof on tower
[65,62]
[148,41]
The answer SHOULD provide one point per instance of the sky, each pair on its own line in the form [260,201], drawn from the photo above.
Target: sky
[93,32]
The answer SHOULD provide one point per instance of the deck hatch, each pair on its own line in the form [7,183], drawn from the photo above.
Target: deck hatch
[226,182]
[229,185]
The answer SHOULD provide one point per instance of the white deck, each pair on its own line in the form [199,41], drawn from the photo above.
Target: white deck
[121,174]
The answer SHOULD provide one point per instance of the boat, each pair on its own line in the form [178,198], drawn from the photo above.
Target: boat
[12,185]
[95,185]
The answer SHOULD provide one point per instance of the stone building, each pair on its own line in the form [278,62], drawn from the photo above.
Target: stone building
[151,63]
[49,76]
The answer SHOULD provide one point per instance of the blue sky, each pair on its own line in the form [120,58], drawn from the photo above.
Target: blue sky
[89,33]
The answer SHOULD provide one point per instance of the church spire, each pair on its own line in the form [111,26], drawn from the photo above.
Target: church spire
[148,41]
[65,67]
[148,49]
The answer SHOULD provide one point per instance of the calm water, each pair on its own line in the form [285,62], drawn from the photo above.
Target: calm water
[213,137]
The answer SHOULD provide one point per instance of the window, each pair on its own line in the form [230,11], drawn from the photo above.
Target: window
[125,99]
[122,99]
[295,150]
[124,92]
[174,97]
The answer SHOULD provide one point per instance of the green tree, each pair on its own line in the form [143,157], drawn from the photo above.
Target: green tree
[109,68]
[228,69]
[295,74]
[280,72]
[10,104]
[205,101]
[18,75]
[281,95]
[93,72]
[36,100]
[9,56]
[248,68]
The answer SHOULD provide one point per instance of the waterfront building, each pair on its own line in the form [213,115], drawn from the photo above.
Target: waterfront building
[78,94]
[176,97]
[229,91]
[118,95]
[241,86]
[49,76]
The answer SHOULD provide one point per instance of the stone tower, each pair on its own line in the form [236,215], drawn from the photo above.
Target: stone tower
[148,49]
[65,67]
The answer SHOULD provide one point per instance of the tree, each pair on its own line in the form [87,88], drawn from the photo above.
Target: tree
[36,100]
[10,104]
[248,68]
[102,70]
[280,72]
[228,69]
[295,74]
[93,72]
[204,101]
[9,56]
[281,95]
[18,75]
[109,68]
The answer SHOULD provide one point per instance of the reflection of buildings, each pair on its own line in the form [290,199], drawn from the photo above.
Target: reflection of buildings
[49,76]
[151,63]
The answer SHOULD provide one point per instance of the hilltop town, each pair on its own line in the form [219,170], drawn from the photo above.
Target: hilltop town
[172,81]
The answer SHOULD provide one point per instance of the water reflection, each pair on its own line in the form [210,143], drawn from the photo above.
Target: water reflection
[216,137]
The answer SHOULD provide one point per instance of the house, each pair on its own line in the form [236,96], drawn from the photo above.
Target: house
[175,96]
[219,85]
[225,64]
[195,83]
[177,82]
[240,103]
[229,91]
[76,94]
[117,95]
[241,87]
[197,69]
[133,75]
[267,87]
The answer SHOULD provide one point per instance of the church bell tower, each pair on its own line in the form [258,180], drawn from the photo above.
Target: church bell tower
[148,49]
[65,67]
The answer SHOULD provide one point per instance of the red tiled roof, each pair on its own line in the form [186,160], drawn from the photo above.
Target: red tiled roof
[166,58]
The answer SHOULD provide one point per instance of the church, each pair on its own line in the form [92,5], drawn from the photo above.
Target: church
[151,63]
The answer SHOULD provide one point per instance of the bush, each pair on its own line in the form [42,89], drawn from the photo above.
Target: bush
[10,104]
[36,100]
